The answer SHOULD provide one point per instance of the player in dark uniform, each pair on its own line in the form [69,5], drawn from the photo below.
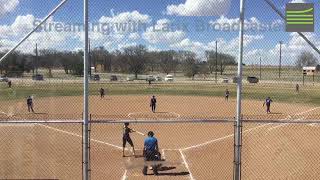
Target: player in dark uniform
[151,152]
[297,88]
[102,93]
[9,84]
[227,94]
[126,138]
[153,103]
[30,104]
[267,102]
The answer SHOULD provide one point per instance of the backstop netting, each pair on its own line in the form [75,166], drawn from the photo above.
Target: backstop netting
[166,67]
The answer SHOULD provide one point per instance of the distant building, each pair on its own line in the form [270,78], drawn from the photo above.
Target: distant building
[311,70]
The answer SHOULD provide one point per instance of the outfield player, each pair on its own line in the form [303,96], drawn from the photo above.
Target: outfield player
[30,104]
[126,138]
[227,94]
[102,93]
[151,152]
[297,88]
[267,102]
[153,103]
[9,84]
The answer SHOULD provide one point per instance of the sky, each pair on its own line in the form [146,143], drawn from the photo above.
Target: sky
[193,25]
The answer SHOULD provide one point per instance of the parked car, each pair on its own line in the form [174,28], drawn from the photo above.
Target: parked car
[113,78]
[225,80]
[95,77]
[130,78]
[150,78]
[38,77]
[4,79]
[252,79]
[169,77]
[158,78]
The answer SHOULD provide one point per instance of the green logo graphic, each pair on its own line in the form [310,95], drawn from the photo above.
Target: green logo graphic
[300,17]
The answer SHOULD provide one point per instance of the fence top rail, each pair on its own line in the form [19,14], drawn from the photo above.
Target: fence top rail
[206,121]
[163,121]
[311,121]
[39,121]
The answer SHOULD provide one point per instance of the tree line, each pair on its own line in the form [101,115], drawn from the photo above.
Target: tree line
[132,60]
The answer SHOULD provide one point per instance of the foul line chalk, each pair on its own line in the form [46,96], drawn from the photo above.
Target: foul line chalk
[248,130]
[77,135]
[186,164]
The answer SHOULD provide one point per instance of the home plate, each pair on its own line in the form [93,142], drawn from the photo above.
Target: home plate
[171,166]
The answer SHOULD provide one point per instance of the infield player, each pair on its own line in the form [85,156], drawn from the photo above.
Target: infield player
[227,94]
[153,103]
[268,102]
[126,138]
[102,93]
[30,104]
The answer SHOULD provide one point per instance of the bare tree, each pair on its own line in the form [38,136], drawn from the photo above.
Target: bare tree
[168,61]
[306,59]
[153,61]
[136,57]
[221,63]
[210,55]
[191,66]
[71,62]
[204,69]
[48,59]
[16,64]
[120,62]
[100,56]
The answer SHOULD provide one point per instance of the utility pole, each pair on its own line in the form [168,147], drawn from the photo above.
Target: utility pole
[216,73]
[280,59]
[221,65]
[260,68]
[37,59]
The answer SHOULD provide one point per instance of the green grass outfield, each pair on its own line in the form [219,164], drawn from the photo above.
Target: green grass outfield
[279,93]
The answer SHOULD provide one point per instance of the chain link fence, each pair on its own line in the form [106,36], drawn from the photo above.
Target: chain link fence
[280,151]
[40,150]
[186,55]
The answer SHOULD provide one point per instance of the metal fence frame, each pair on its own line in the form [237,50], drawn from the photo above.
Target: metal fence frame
[164,121]
[86,123]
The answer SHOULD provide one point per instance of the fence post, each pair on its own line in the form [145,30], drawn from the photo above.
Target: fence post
[89,148]
[237,170]
[85,92]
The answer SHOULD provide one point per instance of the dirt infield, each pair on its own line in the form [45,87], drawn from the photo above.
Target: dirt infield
[191,151]
[137,107]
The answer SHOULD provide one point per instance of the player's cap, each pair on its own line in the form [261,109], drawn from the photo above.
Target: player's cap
[126,124]
[150,133]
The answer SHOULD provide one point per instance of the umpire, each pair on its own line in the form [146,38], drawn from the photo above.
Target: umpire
[151,152]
